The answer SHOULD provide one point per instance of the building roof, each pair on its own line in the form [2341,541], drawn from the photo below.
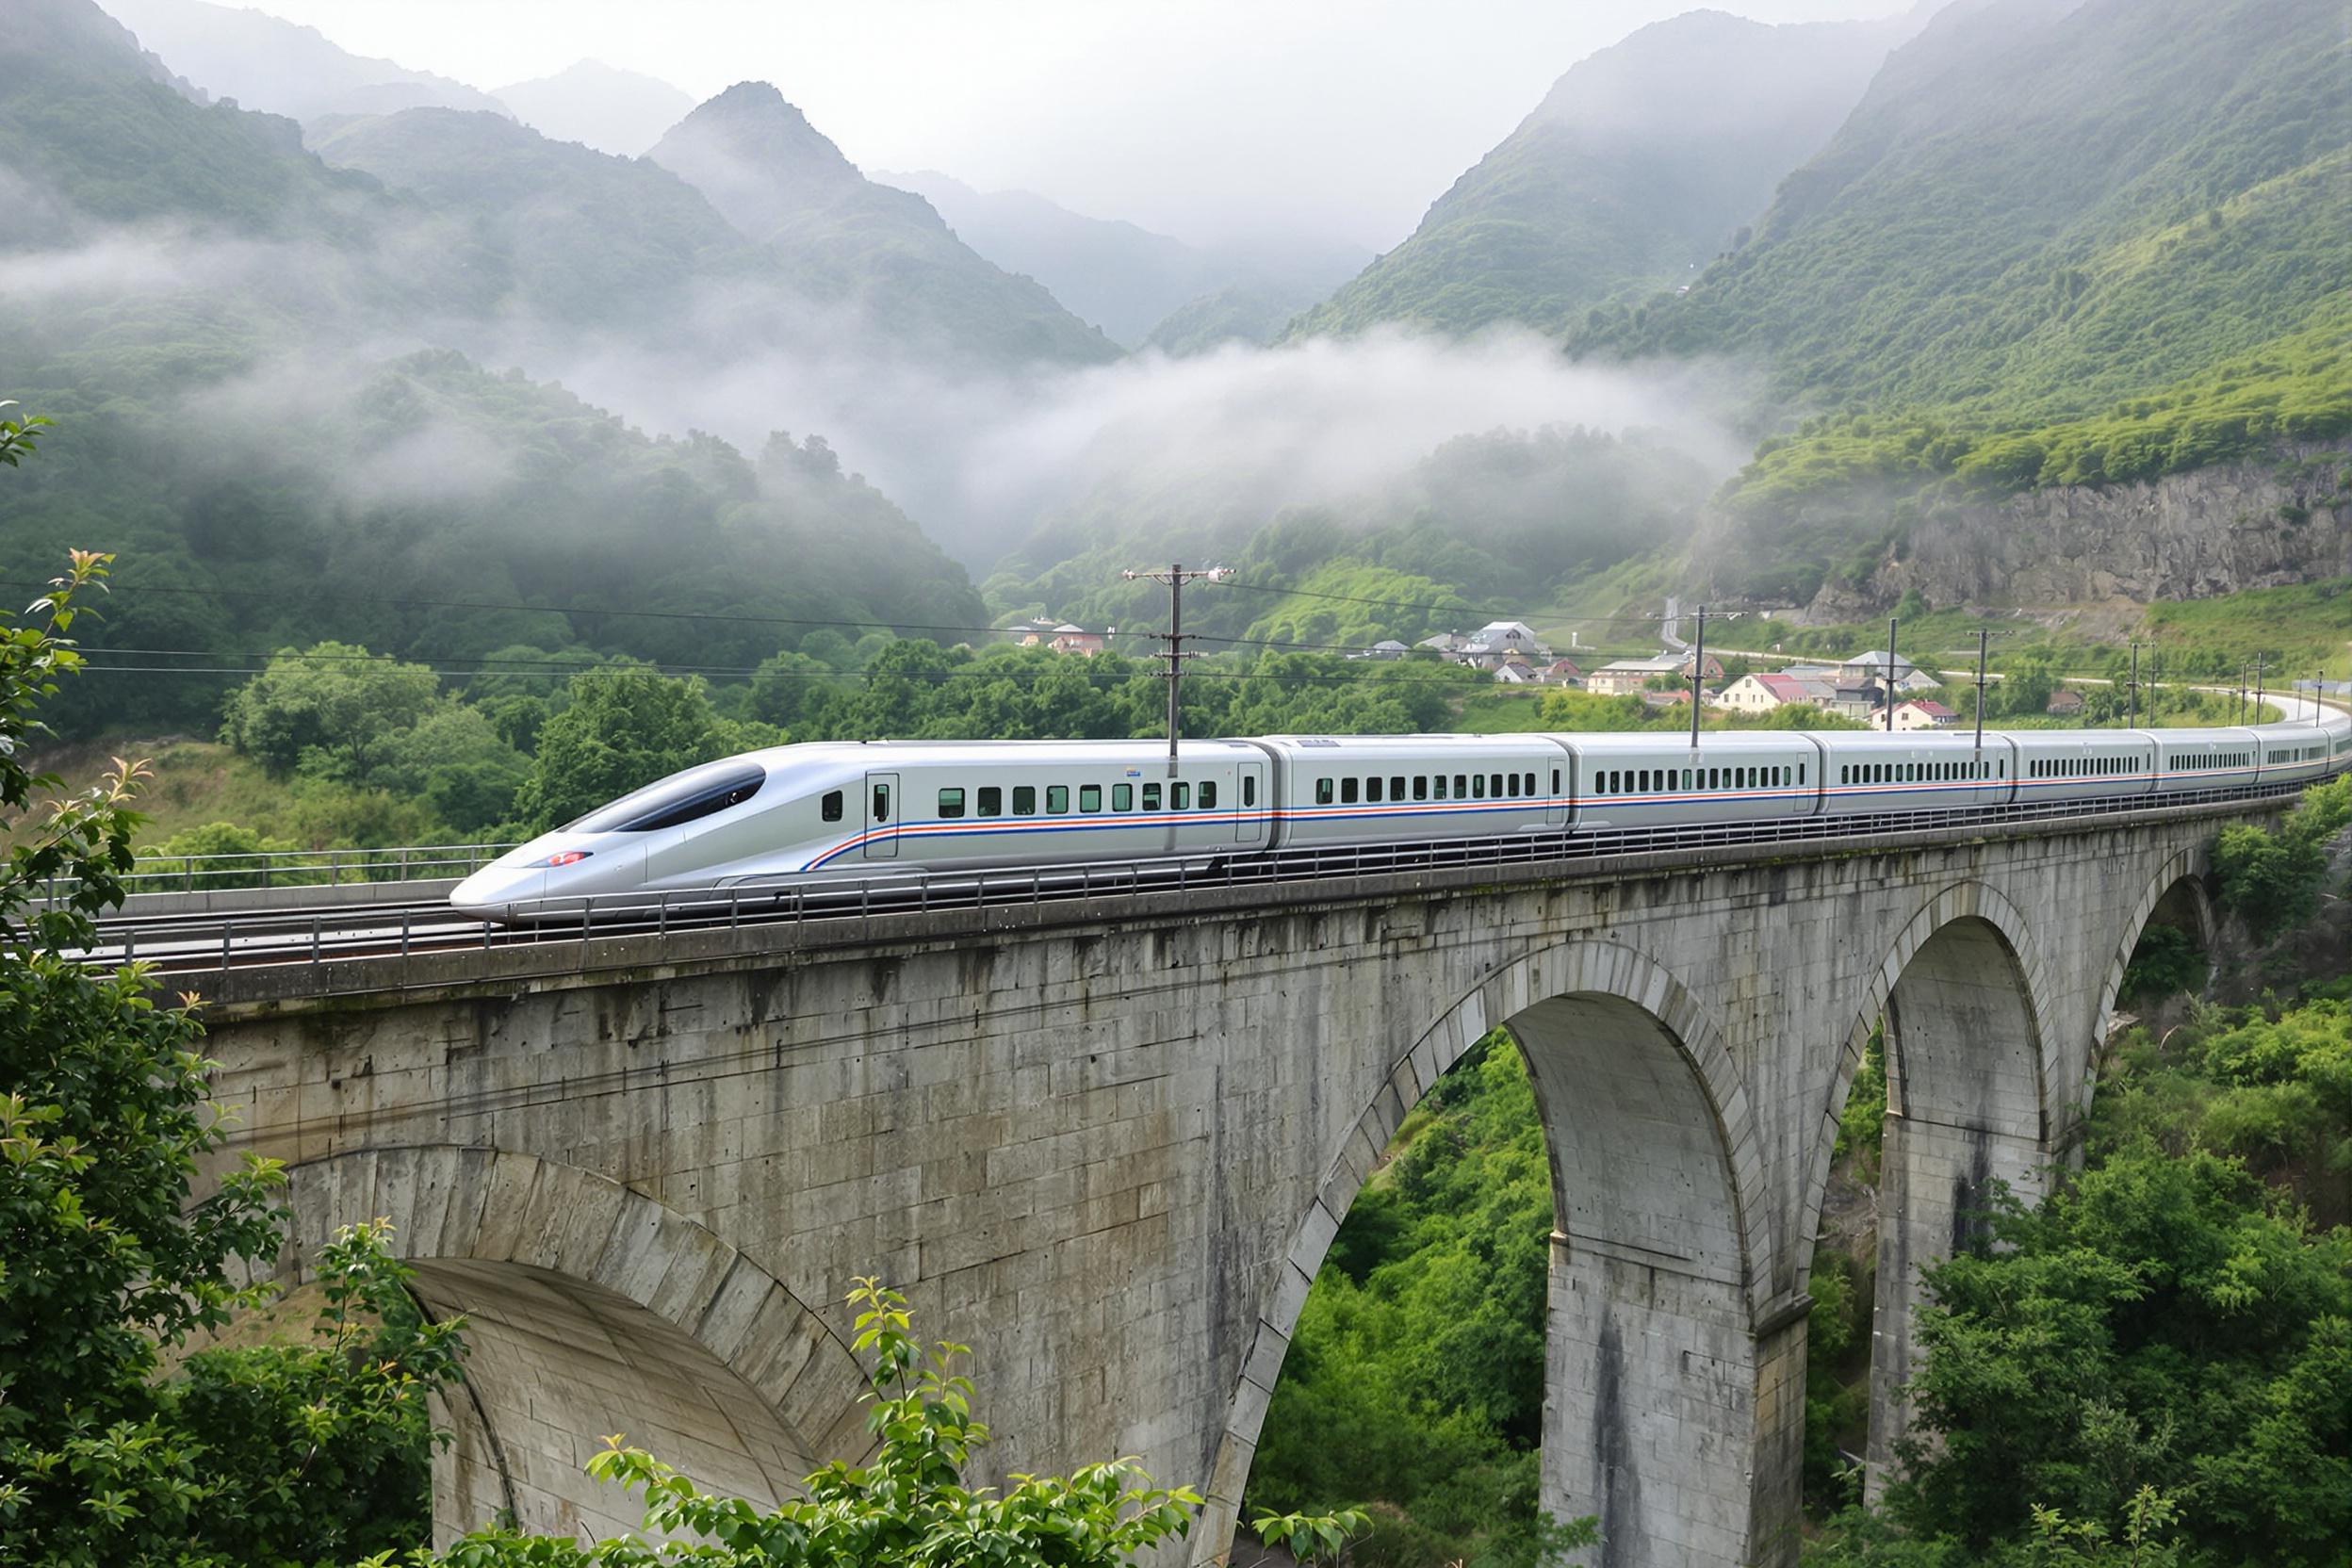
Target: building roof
[1786,688]
[1875,661]
[1507,628]
[1932,709]
[1390,643]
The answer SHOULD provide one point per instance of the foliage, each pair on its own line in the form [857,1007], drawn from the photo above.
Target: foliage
[1416,1374]
[907,1505]
[201,855]
[328,709]
[2164,962]
[109,1258]
[626,726]
[2271,876]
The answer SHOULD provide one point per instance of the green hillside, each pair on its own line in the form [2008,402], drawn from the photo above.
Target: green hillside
[1638,168]
[846,241]
[2040,209]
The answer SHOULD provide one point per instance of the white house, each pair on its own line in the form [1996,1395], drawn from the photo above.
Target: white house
[1925,713]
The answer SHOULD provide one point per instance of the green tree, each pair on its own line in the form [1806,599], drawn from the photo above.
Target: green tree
[908,1504]
[626,727]
[331,709]
[109,1257]
[454,762]
[220,855]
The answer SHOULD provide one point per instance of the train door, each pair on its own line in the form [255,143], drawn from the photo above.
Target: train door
[1555,799]
[882,809]
[1250,820]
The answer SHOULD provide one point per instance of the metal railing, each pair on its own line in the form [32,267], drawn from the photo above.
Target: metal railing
[305,868]
[217,943]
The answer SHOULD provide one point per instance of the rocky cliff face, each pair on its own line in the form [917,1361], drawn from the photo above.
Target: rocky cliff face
[2188,536]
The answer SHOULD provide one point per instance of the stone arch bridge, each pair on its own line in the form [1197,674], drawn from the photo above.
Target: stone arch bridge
[1107,1142]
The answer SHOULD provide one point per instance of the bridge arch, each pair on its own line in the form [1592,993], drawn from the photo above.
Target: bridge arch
[1962,995]
[2175,895]
[1659,1261]
[592,1309]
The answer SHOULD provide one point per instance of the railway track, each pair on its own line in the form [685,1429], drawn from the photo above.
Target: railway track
[214,941]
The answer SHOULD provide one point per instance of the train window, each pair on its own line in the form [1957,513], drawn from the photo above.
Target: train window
[1528,784]
[1477,785]
[1122,797]
[1437,787]
[1512,782]
[950,803]
[1714,778]
[1494,785]
[1056,800]
[1555,781]
[1179,796]
[1208,794]
[1799,773]
[881,803]
[1642,780]
[830,807]
[1024,800]
[1322,791]
[1150,797]
[1089,798]
[1690,778]
[1396,786]
[1347,791]
[1420,786]
[683,797]
[991,801]
[1372,788]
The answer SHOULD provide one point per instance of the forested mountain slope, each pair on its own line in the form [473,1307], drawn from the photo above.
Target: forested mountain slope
[253,362]
[855,244]
[1639,166]
[2043,208]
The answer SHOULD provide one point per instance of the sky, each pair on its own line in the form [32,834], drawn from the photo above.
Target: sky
[1222,122]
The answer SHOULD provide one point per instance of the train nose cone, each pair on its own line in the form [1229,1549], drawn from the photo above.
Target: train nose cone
[495,891]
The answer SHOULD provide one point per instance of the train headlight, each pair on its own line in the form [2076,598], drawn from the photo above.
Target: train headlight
[567,858]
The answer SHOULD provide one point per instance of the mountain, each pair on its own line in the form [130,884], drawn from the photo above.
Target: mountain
[1640,166]
[1238,313]
[882,254]
[600,105]
[2042,205]
[549,232]
[1124,279]
[266,378]
[281,67]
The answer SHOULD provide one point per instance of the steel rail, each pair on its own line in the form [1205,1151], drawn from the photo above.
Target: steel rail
[211,942]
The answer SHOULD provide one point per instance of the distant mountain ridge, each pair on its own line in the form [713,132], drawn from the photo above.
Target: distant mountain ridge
[1125,279]
[622,112]
[852,243]
[1639,167]
[282,67]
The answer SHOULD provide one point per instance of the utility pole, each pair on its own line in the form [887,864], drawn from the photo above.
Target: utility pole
[2155,682]
[1980,637]
[2254,715]
[2134,721]
[1698,676]
[1175,577]
[1888,694]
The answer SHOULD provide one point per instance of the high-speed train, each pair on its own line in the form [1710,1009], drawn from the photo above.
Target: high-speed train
[802,815]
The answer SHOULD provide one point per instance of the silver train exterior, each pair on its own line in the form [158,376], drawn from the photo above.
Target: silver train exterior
[802,815]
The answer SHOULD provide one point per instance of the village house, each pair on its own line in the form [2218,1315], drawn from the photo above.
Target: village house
[1562,672]
[1765,693]
[1925,713]
[1872,667]
[1516,670]
[1387,647]
[2064,703]
[1075,639]
[1625,676]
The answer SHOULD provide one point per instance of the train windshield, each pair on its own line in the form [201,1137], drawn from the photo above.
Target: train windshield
[679,798]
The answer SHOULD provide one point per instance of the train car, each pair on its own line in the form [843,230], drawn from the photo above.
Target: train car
[1660,780]
[2295,752]
[1921,769]
[797,814]
[2084,764]
[2214,759]
[1366,789]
